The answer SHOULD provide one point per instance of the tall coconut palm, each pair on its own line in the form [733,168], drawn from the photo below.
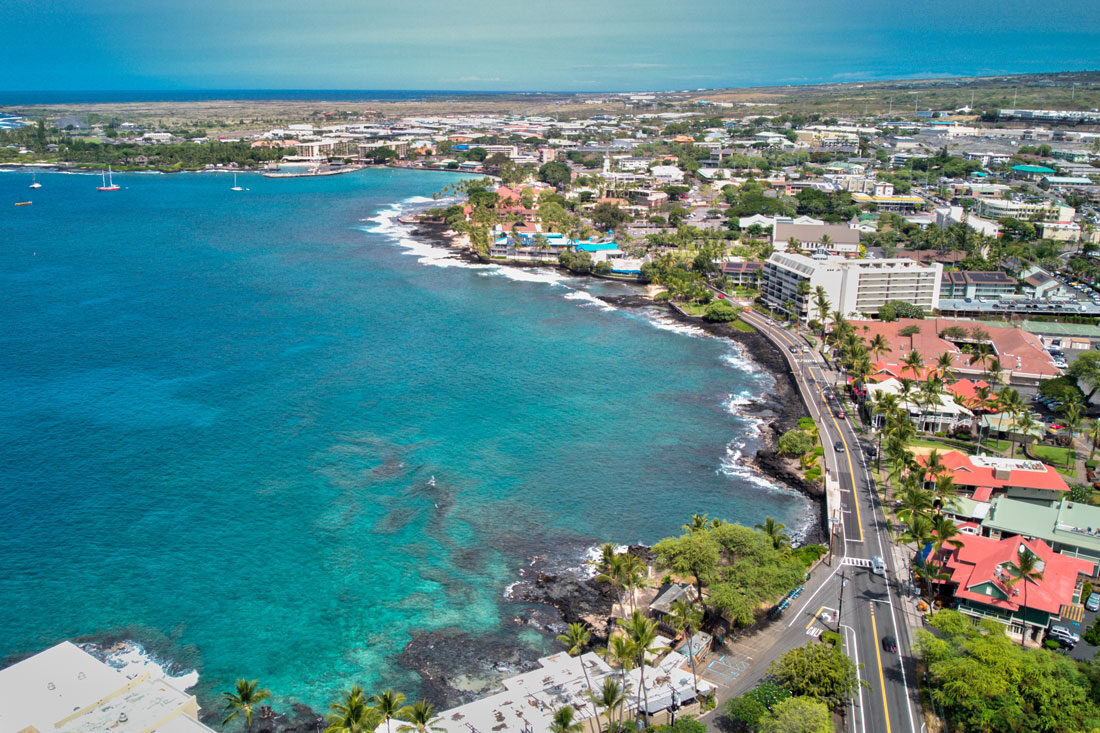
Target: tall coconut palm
[1027,568]
[352,714]
[946,535]
[389,705]
[944,365]
[621,648]
[1026,424]
[879,346]
[615,575]
[564,720]
[919,534]
[576,638]
[642,632]
[821,302]
[687,619]
[243,701]
[611,698]
[1094,437]
[1011,404]
[915,362]
[774,531]
[698,522]
[420,718]
[635,574]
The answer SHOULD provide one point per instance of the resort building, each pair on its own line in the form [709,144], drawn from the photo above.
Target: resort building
[826,238]
[1070,527]
[529,700]
[66,690]
[1025,210]
[974,284]
[981,580]
[742,272]
[852,286]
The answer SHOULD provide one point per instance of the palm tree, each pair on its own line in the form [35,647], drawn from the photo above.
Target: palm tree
[914,361]
[642,633]
[244,701]
[1010,403]
[635,573]
[879,346]
[611,699]
[388,704]
[914,502]
[946,533]
[576,638]
[421,718]
[687,619]
[821,301]
[944,491]
[563,720]
[944,364]
[1026,424]
[919,533]
[1094,436]
[352,714]
[789,307]
[698,522]
[774,531]
[1028,567]
[622,649]
[615,575]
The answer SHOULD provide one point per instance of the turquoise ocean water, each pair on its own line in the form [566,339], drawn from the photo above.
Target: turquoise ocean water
[222,414]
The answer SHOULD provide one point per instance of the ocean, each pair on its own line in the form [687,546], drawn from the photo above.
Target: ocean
[266,434]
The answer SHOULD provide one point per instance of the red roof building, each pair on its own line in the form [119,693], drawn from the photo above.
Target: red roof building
[980,578]
[982,476]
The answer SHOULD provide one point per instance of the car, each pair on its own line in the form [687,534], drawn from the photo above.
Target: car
[841,414]
[1093,603]
[1064,642]
[1062,630]
[839,446]
[890,644]
[878,566]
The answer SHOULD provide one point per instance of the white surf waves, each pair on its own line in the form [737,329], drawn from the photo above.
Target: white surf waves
[131,659]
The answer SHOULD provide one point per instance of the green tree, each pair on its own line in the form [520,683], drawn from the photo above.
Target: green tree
[421,718]
[720,311]
[797,715]
[243,701]
[820,671]
[642,633]
[1086,368]
[389,705]
[1026,569]
[564,720]
[576,637]
[694,554]
[556,173]
[687,619]
[607,216]
[796,442]
[352,714]
[774,531]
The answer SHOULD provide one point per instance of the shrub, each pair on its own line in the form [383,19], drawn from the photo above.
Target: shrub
[819,450]
[813,474]
[662,296]
[808,554]
[746,710]
[830,637]
[720,311]
[1086,590]
[806,423]
[796,442]
[1092,634]
[1079,492]
[895,309]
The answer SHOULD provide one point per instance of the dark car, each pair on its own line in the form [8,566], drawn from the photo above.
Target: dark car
[1064,642]
[890,644]
[839,447]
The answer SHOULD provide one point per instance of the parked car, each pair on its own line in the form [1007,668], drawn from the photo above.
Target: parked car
[1062,630]
[890,644]
[1063,641]
[1093,603]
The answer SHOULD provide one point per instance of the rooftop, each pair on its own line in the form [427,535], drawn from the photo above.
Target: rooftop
[1066,523]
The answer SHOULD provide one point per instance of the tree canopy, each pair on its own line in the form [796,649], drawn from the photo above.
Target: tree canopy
[797,715]
[820,671]
[894,309]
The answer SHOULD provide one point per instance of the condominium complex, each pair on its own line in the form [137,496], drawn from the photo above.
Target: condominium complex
[852,286]
[1044,210]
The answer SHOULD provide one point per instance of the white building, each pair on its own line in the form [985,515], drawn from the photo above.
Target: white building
[945,415]
[852,286]
[66,690]
[1045,210]
[667,173]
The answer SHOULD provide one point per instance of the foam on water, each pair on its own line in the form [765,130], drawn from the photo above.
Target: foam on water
[586,298]
[131,659]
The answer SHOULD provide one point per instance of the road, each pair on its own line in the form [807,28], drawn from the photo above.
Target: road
[870,606]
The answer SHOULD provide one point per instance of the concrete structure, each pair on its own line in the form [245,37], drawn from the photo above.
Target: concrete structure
[1044,210]
[896,202]
[972,284]
[66,690]
[842,239]
[852,286]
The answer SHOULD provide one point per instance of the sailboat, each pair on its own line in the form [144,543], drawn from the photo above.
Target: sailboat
[108,182]
[34,181]
[235,186]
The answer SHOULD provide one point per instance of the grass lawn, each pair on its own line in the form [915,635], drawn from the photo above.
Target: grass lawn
[994,444]
[739,325]
[1052,454]
[924,443]
[692,309]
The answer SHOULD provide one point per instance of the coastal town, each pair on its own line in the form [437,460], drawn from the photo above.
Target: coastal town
[929,278]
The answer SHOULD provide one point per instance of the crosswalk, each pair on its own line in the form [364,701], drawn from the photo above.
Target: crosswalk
[859,562]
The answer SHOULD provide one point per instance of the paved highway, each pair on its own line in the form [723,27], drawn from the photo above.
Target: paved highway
[869,604]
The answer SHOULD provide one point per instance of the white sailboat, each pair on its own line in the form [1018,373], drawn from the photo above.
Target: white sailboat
[235,186]
[34,181]
[108,182]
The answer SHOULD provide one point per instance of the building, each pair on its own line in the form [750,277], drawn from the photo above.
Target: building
[1070,527]
[1020,356]
[66,690]
[831,238]
[981,580]
[1041,210]
[968,284]
[1019,478]
[667,174]
[897,203]
[946,415]
[948,215]
[325,148]
[743,273]
[1031,172]
[852,286]
[1040,284]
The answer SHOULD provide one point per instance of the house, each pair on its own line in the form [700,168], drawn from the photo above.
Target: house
[946,415]
[1070,527]
[1040,284]
[743,273]
[667,174]
[66,689]
[980,578]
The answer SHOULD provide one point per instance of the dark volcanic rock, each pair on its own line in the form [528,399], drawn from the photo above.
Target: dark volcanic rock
[577,599]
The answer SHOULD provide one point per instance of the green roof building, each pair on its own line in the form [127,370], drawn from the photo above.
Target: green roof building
[1069,527]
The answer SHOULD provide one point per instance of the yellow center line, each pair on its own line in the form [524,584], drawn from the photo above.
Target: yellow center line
[817,615]
[878,660]
[836,424]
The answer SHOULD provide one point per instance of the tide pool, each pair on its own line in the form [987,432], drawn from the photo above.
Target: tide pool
[256,433]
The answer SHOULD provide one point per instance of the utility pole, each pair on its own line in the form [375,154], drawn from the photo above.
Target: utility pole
[840,600]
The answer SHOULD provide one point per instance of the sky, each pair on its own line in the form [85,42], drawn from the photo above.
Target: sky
[530,45]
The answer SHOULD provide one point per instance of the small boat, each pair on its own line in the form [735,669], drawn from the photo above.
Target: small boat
[235,186]
[108,182]
[23,203]
[34,182]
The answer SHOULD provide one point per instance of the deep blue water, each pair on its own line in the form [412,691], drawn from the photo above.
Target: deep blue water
[222,413]
[116,96]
